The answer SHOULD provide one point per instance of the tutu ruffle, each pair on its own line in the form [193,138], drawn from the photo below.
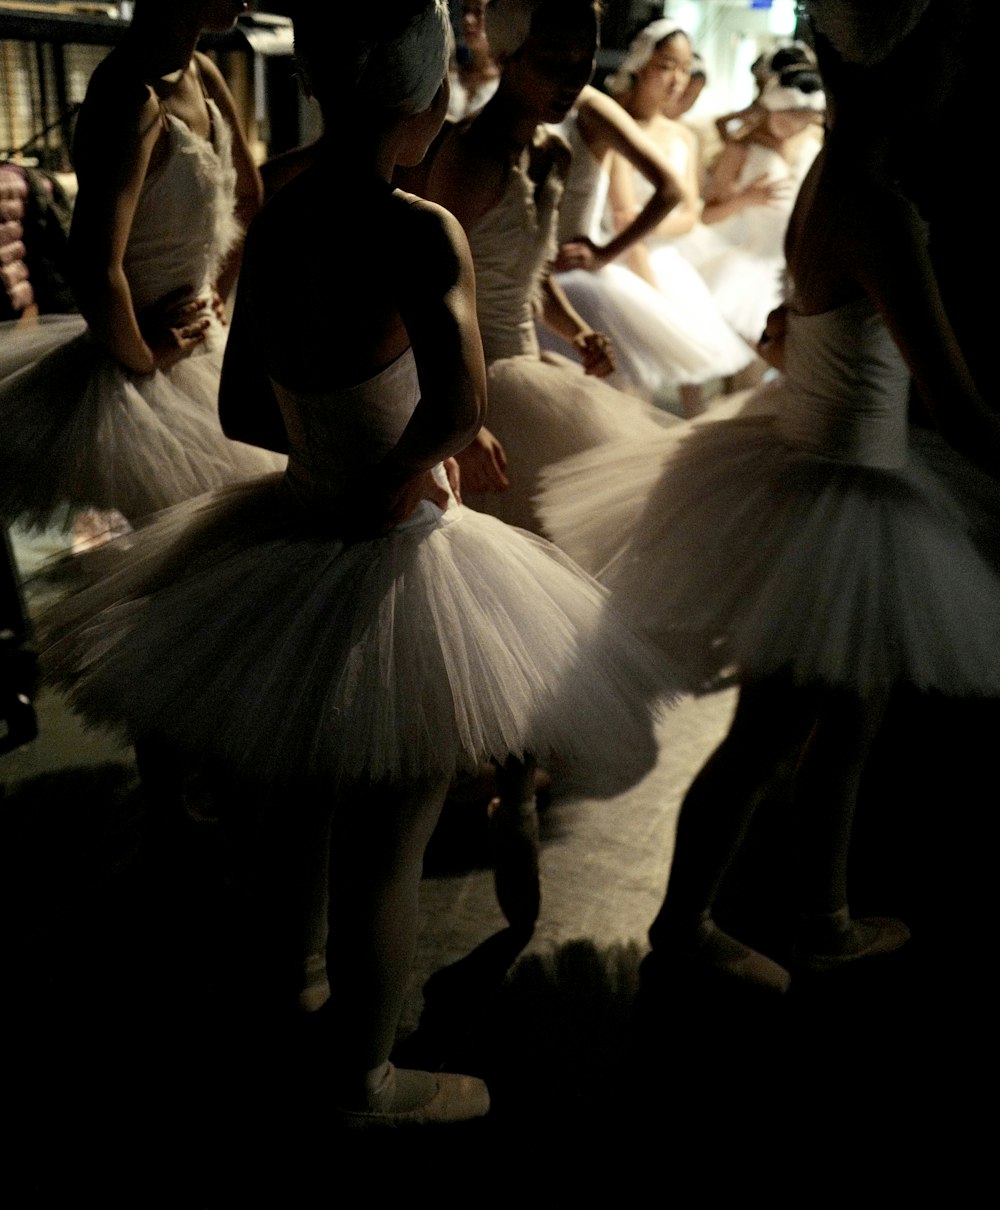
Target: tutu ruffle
[544,409]
[756,555]
[80,430]
[233,626]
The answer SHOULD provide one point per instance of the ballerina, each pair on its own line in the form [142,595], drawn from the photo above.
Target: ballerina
[655,348]
[750,195]
[346,635]
[501,173]
[653,75]
[825,552]
[117,409]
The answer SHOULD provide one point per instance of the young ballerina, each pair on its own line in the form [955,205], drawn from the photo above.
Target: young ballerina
[750,195]
[347,635]
[826,552]
[474,76]
[117,408]
[654,346]
[653,74]
[502,174]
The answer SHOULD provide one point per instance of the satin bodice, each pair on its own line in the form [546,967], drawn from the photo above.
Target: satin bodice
[184,221]
[761,229]
[847,387]
[510,245]
[585,193]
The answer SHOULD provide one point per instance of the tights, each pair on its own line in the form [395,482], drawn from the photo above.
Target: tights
[832,730]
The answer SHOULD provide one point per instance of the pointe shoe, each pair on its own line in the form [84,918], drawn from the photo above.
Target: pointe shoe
[513,835]
[450,1098]
[714,950]
[833,941]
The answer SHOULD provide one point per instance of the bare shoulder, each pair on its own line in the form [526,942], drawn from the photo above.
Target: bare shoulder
[213,79]
[118,105]
[431,243]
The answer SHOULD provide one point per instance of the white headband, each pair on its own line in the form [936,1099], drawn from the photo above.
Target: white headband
[640,52]
[776,96]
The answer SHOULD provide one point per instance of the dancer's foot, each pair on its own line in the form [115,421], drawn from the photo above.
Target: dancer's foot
[513,832]
[834,940]
[712,949]
[403,1098]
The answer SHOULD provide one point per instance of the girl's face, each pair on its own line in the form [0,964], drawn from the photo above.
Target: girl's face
[474,24]
[666,75]
[550,70]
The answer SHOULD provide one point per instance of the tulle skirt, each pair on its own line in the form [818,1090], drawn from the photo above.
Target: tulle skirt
[735,551]
[657,346]
[234,626]
[721,351]
[80,430]
[746,287]
[544,409]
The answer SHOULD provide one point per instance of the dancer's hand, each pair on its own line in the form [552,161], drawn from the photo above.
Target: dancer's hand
[371,507]
[764,192]
[451,469]
[219,308]
[597,353]
[483,464]
[771,345]
[174,327]
[579,253]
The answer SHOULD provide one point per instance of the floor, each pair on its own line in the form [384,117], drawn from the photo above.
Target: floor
[138,1053]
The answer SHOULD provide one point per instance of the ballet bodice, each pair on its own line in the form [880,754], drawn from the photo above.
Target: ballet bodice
[510,245]
[846,387]
[761,229]
[586,190]
[335,433]
[185,220]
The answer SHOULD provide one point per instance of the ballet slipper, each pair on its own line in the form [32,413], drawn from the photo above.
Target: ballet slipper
[714,950]
[513,835]
[406,1098]
[834,940]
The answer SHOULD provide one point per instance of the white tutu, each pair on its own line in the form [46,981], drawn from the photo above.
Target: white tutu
[80,429]
[234,626]
[808,541]
[544,409]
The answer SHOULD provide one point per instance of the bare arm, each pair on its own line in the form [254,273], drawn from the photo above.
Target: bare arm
[606,126]
[890,259]
[248,408]
[249,189]
[118,129]
[594,348]
[724,196]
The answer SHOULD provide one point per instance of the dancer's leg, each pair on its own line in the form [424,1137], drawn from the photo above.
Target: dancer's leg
[826,787]
[514,841]
[770,720]
[377,845]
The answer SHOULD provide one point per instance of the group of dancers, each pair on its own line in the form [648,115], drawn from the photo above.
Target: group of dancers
[351,630]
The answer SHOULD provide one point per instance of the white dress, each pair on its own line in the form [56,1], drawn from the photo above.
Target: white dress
[78,427]
[683,290]
[745,273]
[238,625]
[826,539]
[656,345]
[542,407]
